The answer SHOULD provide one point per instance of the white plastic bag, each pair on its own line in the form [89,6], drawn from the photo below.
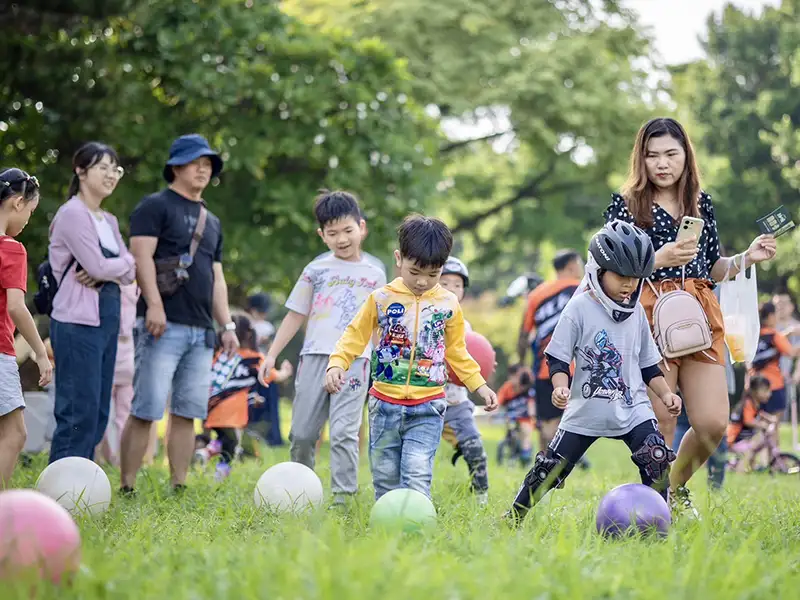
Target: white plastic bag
[739,302]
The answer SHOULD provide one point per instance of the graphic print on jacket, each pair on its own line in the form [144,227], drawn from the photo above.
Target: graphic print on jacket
[398,359]
[605,371]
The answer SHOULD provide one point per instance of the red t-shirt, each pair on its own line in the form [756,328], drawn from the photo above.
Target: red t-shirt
[13,275]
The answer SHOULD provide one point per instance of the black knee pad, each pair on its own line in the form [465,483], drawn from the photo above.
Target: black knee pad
[653,456]
[546,473]
[550,471]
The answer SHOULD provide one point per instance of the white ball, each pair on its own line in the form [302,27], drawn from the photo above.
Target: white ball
[288,487]
[77,484]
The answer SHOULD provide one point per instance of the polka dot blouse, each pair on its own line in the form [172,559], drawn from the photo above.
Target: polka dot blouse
[665,230]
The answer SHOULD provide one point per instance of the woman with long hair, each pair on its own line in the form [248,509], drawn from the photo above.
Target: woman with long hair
[663,186]
[89,259]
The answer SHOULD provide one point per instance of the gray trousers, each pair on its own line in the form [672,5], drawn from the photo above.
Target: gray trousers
[313,406]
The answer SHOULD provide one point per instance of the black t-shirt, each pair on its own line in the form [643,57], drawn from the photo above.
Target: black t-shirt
[172,219]
[665,230]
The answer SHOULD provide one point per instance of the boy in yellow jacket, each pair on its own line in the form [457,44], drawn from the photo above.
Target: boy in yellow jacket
[419,326]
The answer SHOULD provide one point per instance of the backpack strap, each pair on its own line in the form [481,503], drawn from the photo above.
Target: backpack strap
[69,266]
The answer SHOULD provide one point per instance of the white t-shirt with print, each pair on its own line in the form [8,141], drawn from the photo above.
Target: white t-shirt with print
[329,293]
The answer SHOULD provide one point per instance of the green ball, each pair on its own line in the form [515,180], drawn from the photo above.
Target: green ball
[403,510]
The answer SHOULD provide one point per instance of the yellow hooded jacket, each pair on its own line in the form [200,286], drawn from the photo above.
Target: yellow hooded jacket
[417,334]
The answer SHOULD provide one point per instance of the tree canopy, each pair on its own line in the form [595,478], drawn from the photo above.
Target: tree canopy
[290,109]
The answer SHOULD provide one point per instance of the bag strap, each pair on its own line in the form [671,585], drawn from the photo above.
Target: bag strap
[658,292]
[69,266]
[198,231]
[655,291]
[731,263]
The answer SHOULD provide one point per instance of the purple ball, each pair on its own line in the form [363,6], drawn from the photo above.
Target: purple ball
[633,507]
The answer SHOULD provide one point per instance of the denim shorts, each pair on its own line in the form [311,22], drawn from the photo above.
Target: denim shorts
[178,362]
[10,387]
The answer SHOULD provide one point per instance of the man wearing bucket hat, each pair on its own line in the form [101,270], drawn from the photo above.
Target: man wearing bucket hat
[177,243]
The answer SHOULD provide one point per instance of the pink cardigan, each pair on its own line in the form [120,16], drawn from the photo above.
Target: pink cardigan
[72,233]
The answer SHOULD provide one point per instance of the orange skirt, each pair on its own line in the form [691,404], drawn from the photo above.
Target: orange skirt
[701,290]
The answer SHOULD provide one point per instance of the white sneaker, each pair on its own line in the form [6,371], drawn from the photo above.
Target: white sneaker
[680,504]
[482,498]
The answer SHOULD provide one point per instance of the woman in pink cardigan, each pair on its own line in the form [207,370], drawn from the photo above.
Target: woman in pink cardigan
[90,260]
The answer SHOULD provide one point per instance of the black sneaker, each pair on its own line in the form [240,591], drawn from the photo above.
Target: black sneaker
[127,491]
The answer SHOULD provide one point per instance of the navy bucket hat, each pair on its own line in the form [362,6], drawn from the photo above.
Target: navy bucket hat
[187,148]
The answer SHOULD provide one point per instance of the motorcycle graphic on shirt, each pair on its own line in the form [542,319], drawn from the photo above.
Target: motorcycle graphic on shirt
[604,363]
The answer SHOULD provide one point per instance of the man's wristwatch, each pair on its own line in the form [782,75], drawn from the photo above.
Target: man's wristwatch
[230,326]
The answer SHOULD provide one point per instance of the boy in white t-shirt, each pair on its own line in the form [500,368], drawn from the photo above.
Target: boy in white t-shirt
[327,296]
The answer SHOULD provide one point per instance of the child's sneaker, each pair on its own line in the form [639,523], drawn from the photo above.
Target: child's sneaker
[203,455]
[680,504]
[482,498]
[222,472]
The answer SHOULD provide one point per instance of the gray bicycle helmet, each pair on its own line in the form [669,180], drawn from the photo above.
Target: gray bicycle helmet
[453,266]
[623,249]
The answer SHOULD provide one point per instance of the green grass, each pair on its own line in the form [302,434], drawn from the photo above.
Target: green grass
[211,542]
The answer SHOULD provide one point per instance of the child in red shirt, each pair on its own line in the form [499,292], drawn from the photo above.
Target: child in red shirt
[19,196]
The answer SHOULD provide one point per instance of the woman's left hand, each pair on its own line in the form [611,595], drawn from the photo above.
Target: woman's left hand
[83,278]
[762,249]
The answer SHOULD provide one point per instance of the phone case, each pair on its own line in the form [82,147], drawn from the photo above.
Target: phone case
[695,229]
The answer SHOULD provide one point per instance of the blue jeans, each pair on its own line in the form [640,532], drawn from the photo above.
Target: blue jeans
[717,462]
[85,358]
[178,362]
[402,444]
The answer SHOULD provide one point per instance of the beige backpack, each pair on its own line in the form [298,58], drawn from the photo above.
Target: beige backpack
[680,325]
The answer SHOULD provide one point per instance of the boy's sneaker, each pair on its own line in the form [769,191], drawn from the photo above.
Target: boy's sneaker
[203,455]
[222,472]
[680,504]
[482,498]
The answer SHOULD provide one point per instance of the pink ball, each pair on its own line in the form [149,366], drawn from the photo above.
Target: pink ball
[35,532]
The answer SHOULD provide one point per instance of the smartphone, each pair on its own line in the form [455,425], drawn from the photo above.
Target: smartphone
[690,227]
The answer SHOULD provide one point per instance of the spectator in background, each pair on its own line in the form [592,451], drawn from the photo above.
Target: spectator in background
[789,326]
[258,307]
[122,390]
[88,256]
[178,246]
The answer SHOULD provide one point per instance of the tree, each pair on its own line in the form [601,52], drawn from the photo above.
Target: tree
[738,96]
[551,90]
[291,109]
[744,101]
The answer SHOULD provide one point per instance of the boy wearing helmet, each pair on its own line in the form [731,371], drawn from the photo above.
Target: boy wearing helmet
[459,421]
[605,330]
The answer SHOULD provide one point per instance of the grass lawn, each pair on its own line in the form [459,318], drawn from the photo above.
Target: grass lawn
[211,542]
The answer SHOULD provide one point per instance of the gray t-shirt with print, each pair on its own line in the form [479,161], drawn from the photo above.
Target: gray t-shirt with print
[329,293]
[608,396]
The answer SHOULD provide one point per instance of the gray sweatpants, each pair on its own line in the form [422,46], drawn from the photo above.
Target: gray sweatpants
[313,406]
